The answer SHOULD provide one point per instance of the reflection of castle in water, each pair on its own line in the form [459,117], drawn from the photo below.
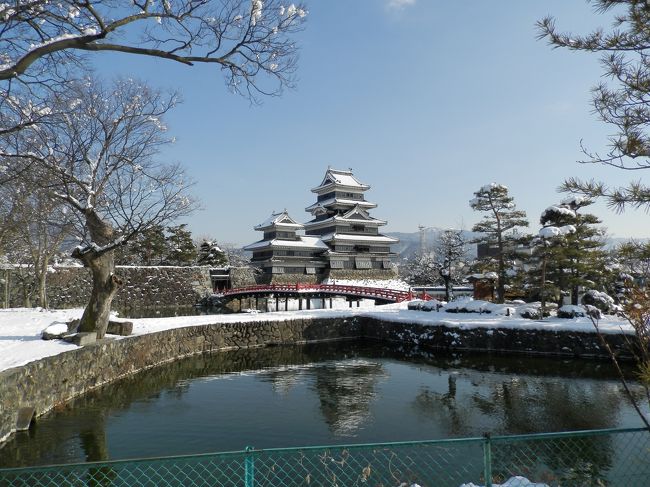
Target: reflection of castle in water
[345,391]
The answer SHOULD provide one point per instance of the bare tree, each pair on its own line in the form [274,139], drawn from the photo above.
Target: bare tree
[421,268]
[43,44]
[451,254]
[243,37]
[40,225]
[97,156]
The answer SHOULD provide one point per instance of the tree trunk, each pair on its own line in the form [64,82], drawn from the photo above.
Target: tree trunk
[543,296]
[448,293]
[105,286]
[501,281]
[105,282]
[42,285]
[575,291]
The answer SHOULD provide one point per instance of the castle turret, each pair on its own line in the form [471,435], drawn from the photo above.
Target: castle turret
[342,221]
[283,252]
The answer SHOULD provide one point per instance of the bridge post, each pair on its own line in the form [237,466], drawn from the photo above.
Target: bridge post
[309,301]
[300,304]
[322,302]
[286,303]
[330,302]
[277,303]
[257,302]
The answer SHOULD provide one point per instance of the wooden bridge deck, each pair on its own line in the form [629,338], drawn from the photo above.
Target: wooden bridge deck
[307,290]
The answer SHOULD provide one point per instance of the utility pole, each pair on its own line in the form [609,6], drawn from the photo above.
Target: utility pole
[423,239]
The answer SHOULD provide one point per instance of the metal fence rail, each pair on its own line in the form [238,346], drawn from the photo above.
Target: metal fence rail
[614,457]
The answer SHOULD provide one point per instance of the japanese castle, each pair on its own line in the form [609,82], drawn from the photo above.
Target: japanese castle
[341,240]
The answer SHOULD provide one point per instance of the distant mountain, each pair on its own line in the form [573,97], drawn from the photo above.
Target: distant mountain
[409,243]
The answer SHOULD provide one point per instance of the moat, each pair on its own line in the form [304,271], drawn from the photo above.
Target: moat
[346,392]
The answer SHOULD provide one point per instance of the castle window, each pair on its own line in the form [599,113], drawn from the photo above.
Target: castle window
[363,263]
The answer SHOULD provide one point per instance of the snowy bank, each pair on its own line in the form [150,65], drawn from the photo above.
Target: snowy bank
[21,343]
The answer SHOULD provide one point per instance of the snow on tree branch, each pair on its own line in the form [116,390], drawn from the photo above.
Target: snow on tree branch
[245,38]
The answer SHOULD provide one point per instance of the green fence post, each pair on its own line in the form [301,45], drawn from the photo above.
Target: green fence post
[487,460]
[249,468]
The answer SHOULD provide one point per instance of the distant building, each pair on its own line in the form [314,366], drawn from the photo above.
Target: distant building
[342,221]
[341,241]
[283,252]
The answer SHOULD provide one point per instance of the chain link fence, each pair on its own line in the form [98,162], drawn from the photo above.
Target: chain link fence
[615,457]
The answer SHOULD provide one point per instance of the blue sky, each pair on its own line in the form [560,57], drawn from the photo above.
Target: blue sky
[425,100]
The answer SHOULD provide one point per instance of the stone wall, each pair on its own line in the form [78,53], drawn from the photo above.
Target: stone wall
[288,279]
[144,287]
[500,340]
[242,276]
[362,273]
[52,381]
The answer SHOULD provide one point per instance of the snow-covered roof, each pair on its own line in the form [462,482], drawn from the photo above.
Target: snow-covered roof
[304,242]
[341,219]
[354,215]
[340,201]
[359,238]
[279,219]
[337,177]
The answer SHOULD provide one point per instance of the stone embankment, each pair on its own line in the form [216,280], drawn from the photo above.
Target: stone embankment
[144,286]
[46,383]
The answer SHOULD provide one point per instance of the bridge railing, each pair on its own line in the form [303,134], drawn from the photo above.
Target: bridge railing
[344,290]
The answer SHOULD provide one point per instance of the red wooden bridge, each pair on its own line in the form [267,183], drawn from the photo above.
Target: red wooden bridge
[322,290]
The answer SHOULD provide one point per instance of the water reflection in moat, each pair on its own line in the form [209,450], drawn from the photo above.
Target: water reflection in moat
[322,394]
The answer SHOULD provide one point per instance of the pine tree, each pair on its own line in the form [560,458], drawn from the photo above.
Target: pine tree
[180,246]
[499,227]
[634,259]
[578,260]
[621,99]
[148,248]
[211,254]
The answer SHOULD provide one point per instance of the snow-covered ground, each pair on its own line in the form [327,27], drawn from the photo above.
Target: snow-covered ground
[21,343]
[396,284]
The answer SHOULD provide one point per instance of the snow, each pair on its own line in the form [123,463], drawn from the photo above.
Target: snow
[56,328]
[340,201]
[554,232]
[307,242]
[489,187]
[342,178]
[516,481]
[359,238]
[21,343]
[396,284]
[558,210]
[576,201]
[275,219]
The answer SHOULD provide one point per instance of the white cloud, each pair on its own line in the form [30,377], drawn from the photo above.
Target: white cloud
[400,4]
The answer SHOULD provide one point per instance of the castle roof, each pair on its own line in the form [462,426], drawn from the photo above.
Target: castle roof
[281,219]
[354,215]
[303,242]
[339,178]
[340,201]
[346,237]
